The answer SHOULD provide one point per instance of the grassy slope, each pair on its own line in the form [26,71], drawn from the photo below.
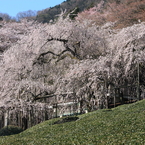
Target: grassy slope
[122,125]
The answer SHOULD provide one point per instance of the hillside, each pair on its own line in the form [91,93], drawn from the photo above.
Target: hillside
[50,13]
[71,66]
[125,13]
[121,125]
[69,5]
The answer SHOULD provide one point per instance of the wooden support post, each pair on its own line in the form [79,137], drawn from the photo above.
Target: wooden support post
[6,118]
[115,98]
[138,81]
[121,96]
[1,120]
[55,110]
[107,101]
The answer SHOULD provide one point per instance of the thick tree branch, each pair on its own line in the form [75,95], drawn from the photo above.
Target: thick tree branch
[67,49]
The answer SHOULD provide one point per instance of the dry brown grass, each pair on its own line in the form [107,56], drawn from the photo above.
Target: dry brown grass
[124,13]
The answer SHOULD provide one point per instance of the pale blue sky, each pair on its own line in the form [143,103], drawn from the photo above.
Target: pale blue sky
[12,7]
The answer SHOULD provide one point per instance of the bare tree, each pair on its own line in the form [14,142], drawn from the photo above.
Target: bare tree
[26,14]
[5,17]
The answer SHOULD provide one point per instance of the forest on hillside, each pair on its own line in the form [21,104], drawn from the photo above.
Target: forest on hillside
[128,11]
[83,61]
[49,14]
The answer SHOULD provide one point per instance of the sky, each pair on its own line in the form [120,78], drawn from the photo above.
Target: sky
[12,7]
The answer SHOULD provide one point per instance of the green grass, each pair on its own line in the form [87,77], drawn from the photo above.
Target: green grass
[122,125]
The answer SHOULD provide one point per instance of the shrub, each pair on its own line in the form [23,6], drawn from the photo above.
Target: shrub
[66,119]
[10,130]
